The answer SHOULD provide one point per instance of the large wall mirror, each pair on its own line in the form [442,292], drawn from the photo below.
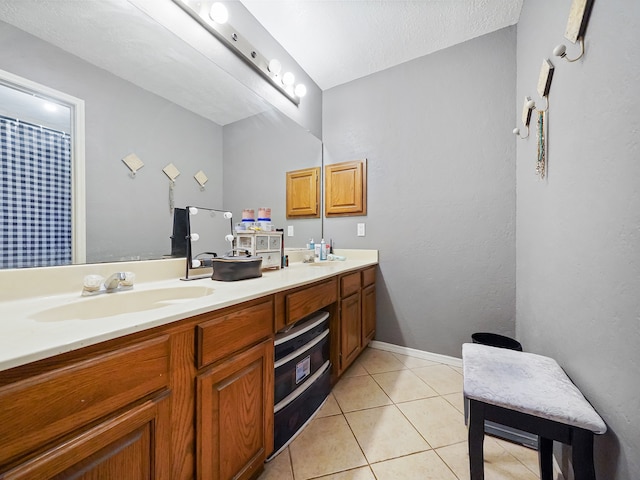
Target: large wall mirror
[148,92]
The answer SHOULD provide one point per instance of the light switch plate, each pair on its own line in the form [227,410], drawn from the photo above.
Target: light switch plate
[290,231]
[133,162]
[171,171]
[361,229]
[201,178]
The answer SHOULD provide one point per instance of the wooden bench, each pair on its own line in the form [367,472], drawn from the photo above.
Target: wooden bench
[531,393]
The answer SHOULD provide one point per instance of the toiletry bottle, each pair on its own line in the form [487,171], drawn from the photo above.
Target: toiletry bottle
[312,246]
[323,250]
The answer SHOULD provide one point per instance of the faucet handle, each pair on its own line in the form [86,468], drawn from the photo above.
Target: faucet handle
[129,279]
[92,283]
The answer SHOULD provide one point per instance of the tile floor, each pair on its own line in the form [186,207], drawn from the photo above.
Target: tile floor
[395,417]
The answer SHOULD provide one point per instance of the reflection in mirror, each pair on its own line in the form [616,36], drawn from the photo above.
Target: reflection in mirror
[149,93]
[209,234]
[41,167]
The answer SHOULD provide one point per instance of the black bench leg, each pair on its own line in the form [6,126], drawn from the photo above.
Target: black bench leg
[476,440]
[582,455]
[545,458]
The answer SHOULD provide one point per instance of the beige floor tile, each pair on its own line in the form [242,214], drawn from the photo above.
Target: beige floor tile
[436,420]
[419,466]
[362,473]
[403,386]
[458,369]
[357,393]
[326,446]
[527,456]
[329,408]
[356,369]
[279,468]
[385,433]
[414,362]
[498,463]
[442,378]
[379,361]
[456,399]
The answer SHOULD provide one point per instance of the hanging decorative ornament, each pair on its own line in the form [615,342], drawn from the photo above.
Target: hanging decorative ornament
[542,157]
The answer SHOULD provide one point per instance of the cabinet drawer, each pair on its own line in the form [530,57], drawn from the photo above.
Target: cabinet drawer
[228,333]
[271,259]
[38,409]
[303,302]
[349,284]
[368,276]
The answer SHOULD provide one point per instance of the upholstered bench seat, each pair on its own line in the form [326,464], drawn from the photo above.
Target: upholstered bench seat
[532,393]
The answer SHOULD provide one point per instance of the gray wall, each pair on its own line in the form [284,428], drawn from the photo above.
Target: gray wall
[441,177]
[258,151]
[126,218]
[578,234]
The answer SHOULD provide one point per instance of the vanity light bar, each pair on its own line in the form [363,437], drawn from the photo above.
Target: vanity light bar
[200,11]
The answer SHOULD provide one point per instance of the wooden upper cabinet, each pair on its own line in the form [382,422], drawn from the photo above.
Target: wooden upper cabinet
[303,193]
[345,191]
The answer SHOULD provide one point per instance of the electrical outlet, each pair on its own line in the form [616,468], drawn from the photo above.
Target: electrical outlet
[290,231]
[361,229]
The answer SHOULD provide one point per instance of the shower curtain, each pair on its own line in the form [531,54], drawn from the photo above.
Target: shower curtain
[35,195]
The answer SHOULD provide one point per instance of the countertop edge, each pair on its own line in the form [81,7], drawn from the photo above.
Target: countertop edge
[270,283]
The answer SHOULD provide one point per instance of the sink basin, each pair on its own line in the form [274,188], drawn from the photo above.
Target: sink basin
[111,304]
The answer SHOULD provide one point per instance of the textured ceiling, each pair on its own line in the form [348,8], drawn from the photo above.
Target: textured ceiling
[336,41]
[126,38]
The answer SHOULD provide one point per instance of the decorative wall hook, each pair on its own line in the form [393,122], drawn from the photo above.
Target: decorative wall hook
[561,51]
[201,178]
[134,163]
[544,80]
[576,28]
[527,108]
[172,173]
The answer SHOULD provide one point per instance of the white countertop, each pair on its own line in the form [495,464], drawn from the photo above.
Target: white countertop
[25,338]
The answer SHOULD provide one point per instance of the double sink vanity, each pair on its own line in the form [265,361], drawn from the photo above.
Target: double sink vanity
[171,379]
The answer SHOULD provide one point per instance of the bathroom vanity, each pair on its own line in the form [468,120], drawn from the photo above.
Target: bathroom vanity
[182,391]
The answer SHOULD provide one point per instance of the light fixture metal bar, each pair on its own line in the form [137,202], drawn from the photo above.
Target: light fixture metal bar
[230,37]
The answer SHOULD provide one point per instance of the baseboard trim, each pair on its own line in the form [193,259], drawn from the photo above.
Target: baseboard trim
[434,357]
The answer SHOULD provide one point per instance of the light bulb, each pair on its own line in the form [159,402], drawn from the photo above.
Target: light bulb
[229,238]
[193,210]
[195,237]
[219,13]
[275,66]
[288,79]
[228,215]
[300,90]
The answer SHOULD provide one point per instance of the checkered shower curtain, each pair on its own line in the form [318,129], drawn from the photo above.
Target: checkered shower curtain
[35,195]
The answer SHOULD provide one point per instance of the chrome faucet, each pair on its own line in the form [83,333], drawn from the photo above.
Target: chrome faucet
[112,283]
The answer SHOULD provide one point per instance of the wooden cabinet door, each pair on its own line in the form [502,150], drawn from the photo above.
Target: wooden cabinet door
[133,445]
[350,330]
[345,189]
[368,314]
[303,193]
[234,411]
